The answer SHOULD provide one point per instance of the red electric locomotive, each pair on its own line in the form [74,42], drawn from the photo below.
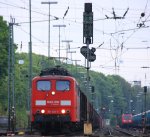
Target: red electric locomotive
[57,102]
[126,120]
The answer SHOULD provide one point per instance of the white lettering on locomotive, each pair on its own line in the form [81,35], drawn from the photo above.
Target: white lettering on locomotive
[53,102]
[53,111]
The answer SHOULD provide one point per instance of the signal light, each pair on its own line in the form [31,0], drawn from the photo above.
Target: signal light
[85,51]
[42,111]
[63,111]
[88,7]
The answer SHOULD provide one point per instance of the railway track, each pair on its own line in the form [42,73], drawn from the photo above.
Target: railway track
[128,132]
[107,132]
[118,132]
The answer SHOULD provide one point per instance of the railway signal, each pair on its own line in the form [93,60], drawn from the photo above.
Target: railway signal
[88,24]
[88,33]
[88,53]
[85,51]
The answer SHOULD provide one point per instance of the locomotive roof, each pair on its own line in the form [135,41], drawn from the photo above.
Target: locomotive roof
[55,71]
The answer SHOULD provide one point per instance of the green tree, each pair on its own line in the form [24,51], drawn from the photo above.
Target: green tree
[3,47]
[3,65]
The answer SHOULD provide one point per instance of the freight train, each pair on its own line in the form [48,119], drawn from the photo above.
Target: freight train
[57,102]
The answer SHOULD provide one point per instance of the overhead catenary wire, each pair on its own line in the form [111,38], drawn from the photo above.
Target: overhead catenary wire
[127,26]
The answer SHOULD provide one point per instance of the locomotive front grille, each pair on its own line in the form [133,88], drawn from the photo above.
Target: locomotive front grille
[49,118]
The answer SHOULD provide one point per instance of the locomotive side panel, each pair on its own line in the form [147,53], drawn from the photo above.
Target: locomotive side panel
[83,107]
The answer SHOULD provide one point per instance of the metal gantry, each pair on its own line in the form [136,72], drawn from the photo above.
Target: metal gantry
[67,48]
[59,26]
[11,78]
[49,3]
[30,66]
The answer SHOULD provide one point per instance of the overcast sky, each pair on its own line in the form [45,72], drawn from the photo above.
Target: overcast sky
[124,42]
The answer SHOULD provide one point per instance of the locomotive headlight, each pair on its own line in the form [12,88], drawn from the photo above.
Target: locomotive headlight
[53,92]
[63,111]
[42,111]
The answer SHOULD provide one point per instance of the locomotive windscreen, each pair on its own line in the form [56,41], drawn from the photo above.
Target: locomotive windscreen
[55,71]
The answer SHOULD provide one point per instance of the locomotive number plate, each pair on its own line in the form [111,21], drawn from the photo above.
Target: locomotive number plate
[53,111]
[53,102]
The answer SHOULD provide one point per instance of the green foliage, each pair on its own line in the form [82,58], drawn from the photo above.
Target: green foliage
[3,47]
[3,65]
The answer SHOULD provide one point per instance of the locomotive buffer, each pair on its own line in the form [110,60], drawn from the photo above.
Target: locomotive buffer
[88,53]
